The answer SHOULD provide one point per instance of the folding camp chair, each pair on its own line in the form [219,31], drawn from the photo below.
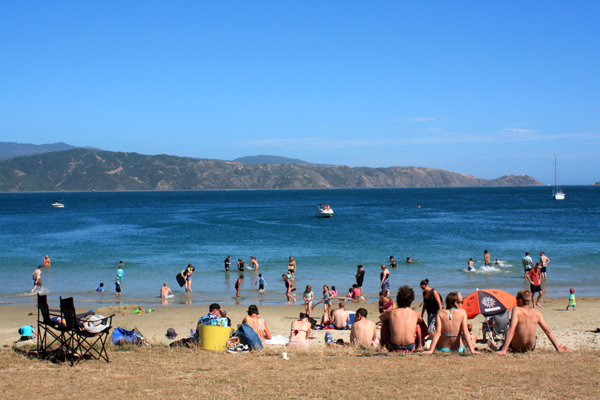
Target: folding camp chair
[87,335]
[48,329]
[497,325]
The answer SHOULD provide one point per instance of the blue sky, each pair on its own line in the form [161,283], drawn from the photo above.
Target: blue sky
[480,88]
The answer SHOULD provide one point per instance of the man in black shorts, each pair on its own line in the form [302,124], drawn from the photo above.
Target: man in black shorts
[360,277]
[227,263]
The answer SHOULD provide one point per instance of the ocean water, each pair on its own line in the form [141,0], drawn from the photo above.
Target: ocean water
[156,234]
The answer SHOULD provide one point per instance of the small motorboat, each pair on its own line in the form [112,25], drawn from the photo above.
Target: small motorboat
[324,211]
[58,204]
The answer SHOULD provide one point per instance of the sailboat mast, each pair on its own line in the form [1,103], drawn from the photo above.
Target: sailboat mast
[555,172]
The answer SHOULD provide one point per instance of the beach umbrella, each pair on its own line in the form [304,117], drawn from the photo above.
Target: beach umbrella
[488,302]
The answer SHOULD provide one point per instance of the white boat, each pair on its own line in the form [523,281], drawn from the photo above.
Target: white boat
[324,211]
[58,204]
[558,194]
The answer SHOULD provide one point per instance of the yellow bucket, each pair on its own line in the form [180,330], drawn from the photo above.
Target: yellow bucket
[214,337]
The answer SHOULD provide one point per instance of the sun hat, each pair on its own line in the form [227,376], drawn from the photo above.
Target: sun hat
[171,334]
[96,323]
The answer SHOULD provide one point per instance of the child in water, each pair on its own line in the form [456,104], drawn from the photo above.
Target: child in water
[118,285]
[471,265]
[572,302]
[100,288]
[261,282]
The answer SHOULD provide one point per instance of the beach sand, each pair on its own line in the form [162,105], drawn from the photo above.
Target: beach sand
[320,372]
[572,328]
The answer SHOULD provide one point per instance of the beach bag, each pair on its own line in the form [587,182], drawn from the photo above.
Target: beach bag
[122,336]
[248,336]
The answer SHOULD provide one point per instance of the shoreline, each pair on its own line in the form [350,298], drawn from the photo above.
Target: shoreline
[572,328]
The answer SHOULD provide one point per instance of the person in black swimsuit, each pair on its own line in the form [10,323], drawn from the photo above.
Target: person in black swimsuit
[432,302]
[393,262]
[360,277]
[227,263]
[240,264]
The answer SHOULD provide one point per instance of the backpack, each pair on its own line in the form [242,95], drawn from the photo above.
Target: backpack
[249,337]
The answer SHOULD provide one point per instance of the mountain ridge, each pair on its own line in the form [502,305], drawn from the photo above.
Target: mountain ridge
[82,169]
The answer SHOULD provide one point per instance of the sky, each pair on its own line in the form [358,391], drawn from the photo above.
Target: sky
[475,87]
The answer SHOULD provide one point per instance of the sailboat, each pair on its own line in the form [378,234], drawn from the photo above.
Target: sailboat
[558,194]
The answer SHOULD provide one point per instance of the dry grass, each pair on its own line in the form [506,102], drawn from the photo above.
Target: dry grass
[316,373]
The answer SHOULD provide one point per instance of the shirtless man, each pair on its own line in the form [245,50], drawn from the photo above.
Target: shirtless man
[341,317]
[544,261]
[521,334]
[165,291]
[487,258]
[46,261]
[37,279]
[409,260]
[363,331]
[404,322]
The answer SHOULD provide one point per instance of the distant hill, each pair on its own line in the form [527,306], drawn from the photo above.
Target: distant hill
[11,149]
[275,160]
[82,170]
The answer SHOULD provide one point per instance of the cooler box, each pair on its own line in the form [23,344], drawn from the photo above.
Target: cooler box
[351,317]
[214,337]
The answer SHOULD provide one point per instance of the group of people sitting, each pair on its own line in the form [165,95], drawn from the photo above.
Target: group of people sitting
[402,328]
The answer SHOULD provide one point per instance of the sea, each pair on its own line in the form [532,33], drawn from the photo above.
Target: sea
[157,234]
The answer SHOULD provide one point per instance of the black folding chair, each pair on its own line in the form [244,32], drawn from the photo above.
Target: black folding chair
[49,331]
[87,336]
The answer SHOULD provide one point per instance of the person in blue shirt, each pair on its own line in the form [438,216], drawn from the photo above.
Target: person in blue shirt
[100,288]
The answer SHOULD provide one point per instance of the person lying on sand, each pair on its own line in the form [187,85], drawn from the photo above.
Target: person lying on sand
[521,334]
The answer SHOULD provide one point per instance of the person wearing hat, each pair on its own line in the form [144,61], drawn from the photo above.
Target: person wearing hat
[169,337]
[213,316]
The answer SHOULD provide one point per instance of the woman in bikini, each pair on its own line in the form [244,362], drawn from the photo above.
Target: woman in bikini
[300,331]
[451,328]
[187,274]
[292,267]
[258,324]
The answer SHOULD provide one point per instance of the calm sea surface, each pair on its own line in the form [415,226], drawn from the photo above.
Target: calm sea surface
[157,234]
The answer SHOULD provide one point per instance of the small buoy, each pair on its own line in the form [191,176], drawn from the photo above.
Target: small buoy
[419,206]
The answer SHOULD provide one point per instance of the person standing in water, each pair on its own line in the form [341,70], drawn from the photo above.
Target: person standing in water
[37,279]
[240,264]
[385,278]
[253,263]
[120,273]
[227,263]
[487,258]
[261,282]
[393,263]
[187,274]
[238,285]
[288,289]
[292,267]
[46,261]
[544,261]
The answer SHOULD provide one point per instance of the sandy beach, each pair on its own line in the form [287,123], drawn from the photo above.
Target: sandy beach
[572,328]
[158,372]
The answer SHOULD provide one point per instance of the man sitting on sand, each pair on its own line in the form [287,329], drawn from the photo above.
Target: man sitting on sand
[341,317]
[521,334]
[214,315]
[363,331]
[165,291]
[404,323]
